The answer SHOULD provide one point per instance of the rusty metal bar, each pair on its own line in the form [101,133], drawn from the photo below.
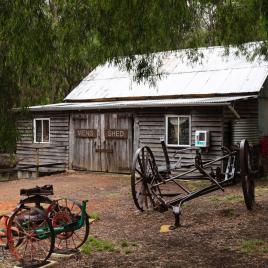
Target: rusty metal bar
[195,169]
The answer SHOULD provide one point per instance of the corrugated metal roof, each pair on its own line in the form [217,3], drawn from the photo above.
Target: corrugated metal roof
[213,101]
[214,73]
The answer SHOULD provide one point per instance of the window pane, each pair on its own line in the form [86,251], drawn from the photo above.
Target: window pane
[173,130]
[184,130]
[38,130]
[45,130]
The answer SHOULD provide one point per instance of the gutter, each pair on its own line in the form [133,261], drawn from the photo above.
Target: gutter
[110,107]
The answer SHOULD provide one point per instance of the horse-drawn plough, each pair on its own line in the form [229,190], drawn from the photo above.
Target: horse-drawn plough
[150,183]
[40,226]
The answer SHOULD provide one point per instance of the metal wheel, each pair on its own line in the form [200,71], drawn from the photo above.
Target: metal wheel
[248,185]
[30,236]
[63,212]
[144,174]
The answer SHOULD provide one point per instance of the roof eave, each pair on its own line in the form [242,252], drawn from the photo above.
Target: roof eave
[162,97]
[144,106]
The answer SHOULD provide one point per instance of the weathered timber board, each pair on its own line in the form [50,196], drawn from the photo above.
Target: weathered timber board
[56,151]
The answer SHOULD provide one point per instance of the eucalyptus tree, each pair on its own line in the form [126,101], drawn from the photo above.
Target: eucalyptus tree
[47,46]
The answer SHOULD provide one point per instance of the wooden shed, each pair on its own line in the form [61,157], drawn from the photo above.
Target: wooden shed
[108,115]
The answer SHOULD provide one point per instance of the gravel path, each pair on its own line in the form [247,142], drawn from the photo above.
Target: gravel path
[217,230]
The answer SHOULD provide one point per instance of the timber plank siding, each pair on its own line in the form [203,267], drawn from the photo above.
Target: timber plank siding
[56,151]
[106,141]
[151,128]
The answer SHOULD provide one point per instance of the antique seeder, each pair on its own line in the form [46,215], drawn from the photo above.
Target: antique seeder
[150,184]
[40,226]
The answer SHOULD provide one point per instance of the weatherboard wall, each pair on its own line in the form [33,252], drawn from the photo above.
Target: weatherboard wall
[56,151]
[150,128]
[144,126]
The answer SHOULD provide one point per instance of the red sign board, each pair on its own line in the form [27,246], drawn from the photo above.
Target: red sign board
[116,133]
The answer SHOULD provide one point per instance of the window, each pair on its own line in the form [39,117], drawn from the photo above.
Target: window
[41,130]
[178,130]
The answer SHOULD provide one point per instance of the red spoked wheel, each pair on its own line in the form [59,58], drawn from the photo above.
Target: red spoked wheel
[247,179]
[30,236]
[63,212]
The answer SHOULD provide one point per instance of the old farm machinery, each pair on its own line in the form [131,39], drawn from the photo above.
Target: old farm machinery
[40,226]
[150,184]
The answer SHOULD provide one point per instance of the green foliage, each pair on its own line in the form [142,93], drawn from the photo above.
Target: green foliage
[8,93]
[48,46]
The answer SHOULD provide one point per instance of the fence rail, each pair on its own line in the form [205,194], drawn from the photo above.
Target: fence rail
[25,167]
[35,164]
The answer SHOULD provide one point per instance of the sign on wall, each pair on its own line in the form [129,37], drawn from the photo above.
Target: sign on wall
[116,133]
[79,117]
[86,133]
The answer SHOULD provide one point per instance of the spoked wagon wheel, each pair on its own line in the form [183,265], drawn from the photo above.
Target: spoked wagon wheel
[30,237]
[248,185]
[61,213]
[144,174]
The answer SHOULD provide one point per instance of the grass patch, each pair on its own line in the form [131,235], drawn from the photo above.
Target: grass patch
[112,194]
[128,251]
[229,212]
[226,248]
[233,198]
[265,249]
[254,246]
[134,244]
[98,245]
[214,198]
[195,184]
[230,198]
[251,246]
[93,243]
[4,178]
[128,247]
[95,216]
[260,190]
[124,243]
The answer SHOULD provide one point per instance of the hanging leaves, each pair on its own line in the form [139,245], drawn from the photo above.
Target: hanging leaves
[48,46]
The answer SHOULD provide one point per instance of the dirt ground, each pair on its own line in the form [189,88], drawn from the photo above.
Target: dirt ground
[217,230]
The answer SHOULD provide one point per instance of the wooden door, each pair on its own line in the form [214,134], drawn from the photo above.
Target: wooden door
[85,135]
[101,142]
[118,128]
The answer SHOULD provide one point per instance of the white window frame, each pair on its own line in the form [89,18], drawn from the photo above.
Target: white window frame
[34,130]
[166,130]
